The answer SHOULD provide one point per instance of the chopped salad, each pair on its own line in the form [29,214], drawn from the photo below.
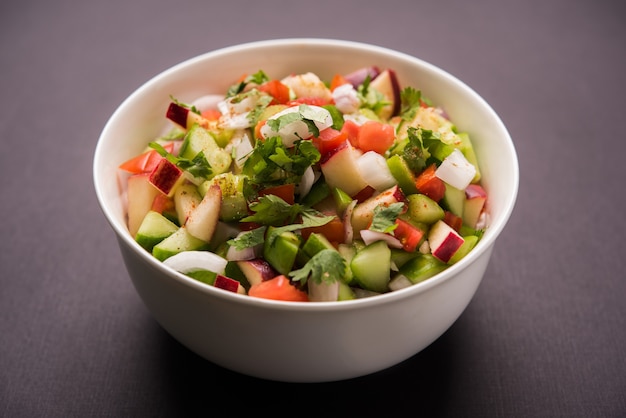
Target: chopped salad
[301,189]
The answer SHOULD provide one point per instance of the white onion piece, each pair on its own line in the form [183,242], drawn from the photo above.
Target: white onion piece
[233,254]
[207,102]
[242,146]
[346,98]
[323,291]
[399,282]
[306,182]
[187,261]
[347,221]
[370,236]
[374,170]
[456,170]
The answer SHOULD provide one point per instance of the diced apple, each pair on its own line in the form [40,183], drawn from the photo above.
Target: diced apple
[475,198]
[140,195]
[387,84]
[202,221]
[363,212]
[229,284]
[186,199]
[456,170]
[166,177]
[341,170]
[444,241]
[256,270]
[184,117]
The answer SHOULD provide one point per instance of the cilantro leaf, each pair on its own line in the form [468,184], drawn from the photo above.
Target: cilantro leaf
[411,100]
[197,167]
[274,211]
[307,114]
[249,238]
[257,78]
[385,217]
[327,265]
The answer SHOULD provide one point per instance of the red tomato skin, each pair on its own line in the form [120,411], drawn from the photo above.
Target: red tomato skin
[278,288]
[429,184]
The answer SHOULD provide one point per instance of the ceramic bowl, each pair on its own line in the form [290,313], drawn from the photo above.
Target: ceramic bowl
[295,341]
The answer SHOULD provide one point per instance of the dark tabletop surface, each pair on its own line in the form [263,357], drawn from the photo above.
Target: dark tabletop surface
[544,335]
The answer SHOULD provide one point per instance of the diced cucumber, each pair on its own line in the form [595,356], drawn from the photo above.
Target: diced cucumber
[315,243]
[204,276]
[200,139]
[345,292]
[371,267]
[402,173]
[422,267]
[281,251]
[234,204]
[319,191]
[467,149]
[454,199]
[179,241]
[423,209]
[153,229]
[342,200]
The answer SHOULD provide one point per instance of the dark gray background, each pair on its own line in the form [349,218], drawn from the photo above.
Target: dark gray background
[546,332]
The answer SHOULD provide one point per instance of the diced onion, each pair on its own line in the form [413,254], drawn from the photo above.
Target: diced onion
[374,170]
[187,261]
[370,236]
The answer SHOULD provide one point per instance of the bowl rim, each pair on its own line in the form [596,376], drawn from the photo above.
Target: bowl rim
[486,242]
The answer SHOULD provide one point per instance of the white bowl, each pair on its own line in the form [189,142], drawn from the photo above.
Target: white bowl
[294,341]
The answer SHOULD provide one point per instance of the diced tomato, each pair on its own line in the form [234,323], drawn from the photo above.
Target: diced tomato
[145,162]
[338,80]
[284,191]
[278,288]
[276,89]
[409,235]
[163,204]
[351,129]
[454,221]
[211,114]
[257,129]
[429,184]
[312,101]
[329,139]
[376,136]
[334,231]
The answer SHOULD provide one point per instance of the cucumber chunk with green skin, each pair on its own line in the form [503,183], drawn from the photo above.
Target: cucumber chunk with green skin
[402,173]
[371,267]
[179,241]
[204,276]
[281,251]
[316,243]
[345,292]
[422,267]
[153,229]
[234,204]
[199,139]
[342,200]
[454,200]
[423,209]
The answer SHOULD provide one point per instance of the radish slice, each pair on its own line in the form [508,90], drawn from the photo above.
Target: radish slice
[374,170]
[187,261]
[370,236]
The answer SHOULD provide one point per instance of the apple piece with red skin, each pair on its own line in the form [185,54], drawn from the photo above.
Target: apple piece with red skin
[475,199]
[341,170]
[202,221]
[363,212]
[226,283]
[185,117]
[357,77]
[166,176]
[444,241]
[256,270]
[140,197]
[387,84]
[186,199]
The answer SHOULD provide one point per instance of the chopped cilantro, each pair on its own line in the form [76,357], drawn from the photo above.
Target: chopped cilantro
[385,217]
[249,238]
[327,265]
[257,78]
